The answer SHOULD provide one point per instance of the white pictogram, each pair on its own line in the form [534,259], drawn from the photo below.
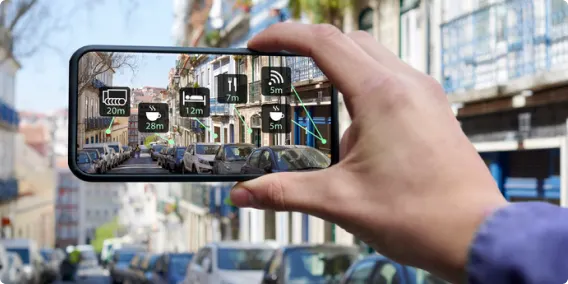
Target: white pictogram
[115,97]
[275,78]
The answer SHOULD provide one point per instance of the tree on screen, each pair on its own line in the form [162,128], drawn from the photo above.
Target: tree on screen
[94,65]
[318,12]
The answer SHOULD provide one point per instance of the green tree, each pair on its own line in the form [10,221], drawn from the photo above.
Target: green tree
[150,139]
[321,11]
[106,231]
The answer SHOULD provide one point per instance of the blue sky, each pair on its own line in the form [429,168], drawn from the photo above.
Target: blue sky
[42,83]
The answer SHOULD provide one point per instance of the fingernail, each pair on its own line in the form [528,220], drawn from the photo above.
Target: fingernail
[242,197]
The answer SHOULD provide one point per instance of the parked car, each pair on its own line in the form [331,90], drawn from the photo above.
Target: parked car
[31,258]
[198,158]
[85,163]
[307,263]
[143,273]
[52,259]
[5,271]
[117,147]
[174,162]
[132,274]
[230,158]
[170,268]
[285,158]
[104,150]
[99,162]
[155,151]
[163,155]
[379,269]
[115,157]
[229,262]
[127,150]
[14,272]
[89,258]
[121,262]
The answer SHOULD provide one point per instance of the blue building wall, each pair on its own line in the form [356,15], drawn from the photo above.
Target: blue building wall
[503,41]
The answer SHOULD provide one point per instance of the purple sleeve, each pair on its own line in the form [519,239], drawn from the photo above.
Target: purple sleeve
[521,243]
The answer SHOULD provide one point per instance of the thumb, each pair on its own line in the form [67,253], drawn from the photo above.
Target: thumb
[308,192]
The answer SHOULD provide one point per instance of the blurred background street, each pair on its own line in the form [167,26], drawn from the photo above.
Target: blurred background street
[503,65]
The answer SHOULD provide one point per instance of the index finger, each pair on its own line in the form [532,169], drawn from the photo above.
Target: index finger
[345,63]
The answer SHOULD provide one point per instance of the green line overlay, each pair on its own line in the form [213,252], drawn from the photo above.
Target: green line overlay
[109,129]
[310,117]
[249,130]
[323,141]
[208,129]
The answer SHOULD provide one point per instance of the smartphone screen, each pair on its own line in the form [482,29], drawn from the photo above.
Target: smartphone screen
[145,113]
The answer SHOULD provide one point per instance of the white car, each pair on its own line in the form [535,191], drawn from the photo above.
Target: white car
[105,152]
[4,266]
[30,255]
[229,262]
[117,148]
[198,158]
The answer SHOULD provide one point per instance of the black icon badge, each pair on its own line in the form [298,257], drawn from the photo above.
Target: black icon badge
[276,118]
[114,101]
[153,117]
[276,81]
[232,88]
[194,102]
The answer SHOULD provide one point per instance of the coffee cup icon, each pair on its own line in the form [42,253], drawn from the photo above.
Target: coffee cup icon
[276,115]
[153,115]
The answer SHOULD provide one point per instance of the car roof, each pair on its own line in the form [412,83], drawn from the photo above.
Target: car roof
[244,245]
[283,147]
[238,144]
[93,145]
[207,144]
[325,245]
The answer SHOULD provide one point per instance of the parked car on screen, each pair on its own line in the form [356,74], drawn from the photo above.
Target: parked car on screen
[85,163]
[230,158]
[52,259]
[117,147]
[127,150]
[229,262]
[28,252]
[164,155]
[199,158]
[377,269]
[285,158]
[136,270]
[307,263]
[170,268]
[5,273]
[174,161]
[155,151]
[104,150]
[98,161]
[120,264]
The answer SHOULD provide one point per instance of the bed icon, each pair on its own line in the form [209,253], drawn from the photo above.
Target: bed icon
[191,97]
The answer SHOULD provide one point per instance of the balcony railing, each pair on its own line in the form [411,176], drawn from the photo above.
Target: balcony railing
[97,123]
[219,109]
[254,92]
[313,97]
[503,41]
[304,69]
[191,124]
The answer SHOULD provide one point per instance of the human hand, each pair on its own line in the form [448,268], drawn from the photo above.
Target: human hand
[409,183]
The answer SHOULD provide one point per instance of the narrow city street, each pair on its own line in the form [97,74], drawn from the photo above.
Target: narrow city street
[142,165]
[91,276]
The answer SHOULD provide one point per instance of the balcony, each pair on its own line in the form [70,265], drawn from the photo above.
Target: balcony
[502,42]
[97,123]
[219,109]
[304,70]
[254,92]
[9,190]
[191,124]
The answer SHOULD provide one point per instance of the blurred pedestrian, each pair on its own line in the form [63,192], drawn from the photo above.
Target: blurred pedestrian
[409,182]
[137,151]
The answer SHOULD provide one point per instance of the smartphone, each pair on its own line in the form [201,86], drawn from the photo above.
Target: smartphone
[163,114]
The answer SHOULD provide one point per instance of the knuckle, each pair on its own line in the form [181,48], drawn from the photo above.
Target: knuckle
[391,90]
[325,31]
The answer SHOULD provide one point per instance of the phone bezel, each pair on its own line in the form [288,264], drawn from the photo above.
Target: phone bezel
[73,115]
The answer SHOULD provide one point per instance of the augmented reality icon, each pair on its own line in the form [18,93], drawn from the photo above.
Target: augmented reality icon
[115,97]
[153,115]
[193,98]
[275,78]
[276,114]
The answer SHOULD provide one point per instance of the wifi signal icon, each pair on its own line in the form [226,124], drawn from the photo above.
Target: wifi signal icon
[275,78]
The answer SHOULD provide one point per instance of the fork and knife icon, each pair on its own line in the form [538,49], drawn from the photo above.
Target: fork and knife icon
[232,83]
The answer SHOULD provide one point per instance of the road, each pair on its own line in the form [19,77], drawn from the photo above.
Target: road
[142,165]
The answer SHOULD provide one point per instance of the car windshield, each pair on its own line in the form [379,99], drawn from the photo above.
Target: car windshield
[243,259]
[115,147]
[101,150]
[301,158]
[237,153]
[46,254]
[157,148]
[83,158]
[125,256]
[206,149]
[180,151]
[24,254]
[317,265]
[179,263]
[94,154]
[88,255]
[125,148]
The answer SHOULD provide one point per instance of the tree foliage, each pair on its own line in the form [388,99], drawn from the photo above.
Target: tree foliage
[321,11]
[106,231]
